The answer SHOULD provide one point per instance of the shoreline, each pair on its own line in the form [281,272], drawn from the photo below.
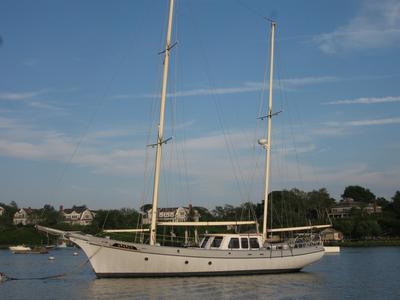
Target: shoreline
[366,243]
[344,244]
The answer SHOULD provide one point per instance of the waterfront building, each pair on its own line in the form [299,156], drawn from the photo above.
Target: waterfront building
[173,214]
[347,205]
[79,215]
[26,216]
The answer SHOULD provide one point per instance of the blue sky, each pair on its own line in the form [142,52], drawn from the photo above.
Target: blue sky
[79,100]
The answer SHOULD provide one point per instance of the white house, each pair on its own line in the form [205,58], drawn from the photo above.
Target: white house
[2,210]
[78,215]
[26,216]
[173,214]
[345,207]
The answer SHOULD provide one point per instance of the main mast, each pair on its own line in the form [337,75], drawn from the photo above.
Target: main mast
[267,143]
[160,141]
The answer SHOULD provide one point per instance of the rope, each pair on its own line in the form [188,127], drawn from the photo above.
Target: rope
[56,276]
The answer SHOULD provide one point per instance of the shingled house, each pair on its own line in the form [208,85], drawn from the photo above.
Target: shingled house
[77,215]
[173,214]
[26,216]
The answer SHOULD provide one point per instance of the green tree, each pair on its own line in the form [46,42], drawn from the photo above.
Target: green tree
[6,220]
[366,228]
[227,212]
[346,226]
[318,203]
[396,203]
[49,216]
[383,203]
[146,207]
[204,213]
[359,194]
[79,207]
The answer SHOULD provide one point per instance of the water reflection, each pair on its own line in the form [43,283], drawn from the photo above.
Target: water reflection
[368,273]
[282,286]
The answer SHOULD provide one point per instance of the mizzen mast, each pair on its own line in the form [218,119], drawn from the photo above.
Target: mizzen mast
[267,143]
[160,140]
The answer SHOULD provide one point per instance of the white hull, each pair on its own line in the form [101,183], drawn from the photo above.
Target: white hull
[108,259]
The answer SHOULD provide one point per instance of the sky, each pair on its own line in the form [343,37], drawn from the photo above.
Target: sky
[79,96]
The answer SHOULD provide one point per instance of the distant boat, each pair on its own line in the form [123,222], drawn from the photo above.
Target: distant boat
[62,245]
[21,249]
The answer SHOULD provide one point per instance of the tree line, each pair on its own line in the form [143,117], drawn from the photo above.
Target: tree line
[287,208]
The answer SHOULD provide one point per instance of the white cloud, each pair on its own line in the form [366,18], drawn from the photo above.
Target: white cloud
[30,62]
[209,170]
[370,122]
[366,100]
[377,25]
[247,87]
[329,131]
[7,123]
[294,82]
[42,105]
[30,99]
[15,96]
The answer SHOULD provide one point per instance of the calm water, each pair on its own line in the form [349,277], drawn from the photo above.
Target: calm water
[368,273]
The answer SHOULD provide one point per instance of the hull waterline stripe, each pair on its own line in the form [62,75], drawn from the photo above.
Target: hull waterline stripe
[193,274]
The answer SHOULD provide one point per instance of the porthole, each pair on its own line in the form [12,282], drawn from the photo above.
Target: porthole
[186,262]
[210,263]
[178,251]
[146,258]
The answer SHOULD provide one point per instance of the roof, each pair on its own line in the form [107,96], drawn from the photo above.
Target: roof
[28,210]
[234,234]
[328,230]
[78,209]
[168,209]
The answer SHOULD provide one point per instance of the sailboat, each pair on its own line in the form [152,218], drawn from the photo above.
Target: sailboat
[216,254]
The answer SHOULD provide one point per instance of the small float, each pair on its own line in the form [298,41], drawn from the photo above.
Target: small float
[332,249]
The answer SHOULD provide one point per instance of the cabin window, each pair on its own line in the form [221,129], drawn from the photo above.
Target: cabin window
[204,243]
[254,243]
[216,242]
[245,243]
[234,243]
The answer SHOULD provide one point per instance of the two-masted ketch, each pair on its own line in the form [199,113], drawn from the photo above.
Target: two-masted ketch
[216,254]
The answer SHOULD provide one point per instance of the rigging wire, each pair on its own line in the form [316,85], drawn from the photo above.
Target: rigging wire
[147,178]
[226,133]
